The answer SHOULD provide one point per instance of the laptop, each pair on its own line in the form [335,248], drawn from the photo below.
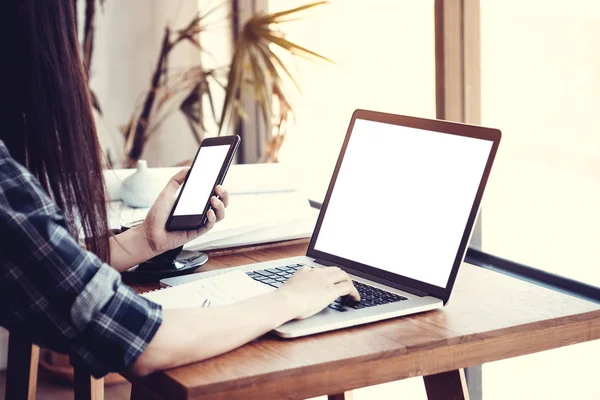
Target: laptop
[397,218]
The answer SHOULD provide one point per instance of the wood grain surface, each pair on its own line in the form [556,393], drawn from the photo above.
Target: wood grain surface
[490,317]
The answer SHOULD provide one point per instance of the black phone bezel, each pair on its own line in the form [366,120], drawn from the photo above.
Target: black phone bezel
[197,221]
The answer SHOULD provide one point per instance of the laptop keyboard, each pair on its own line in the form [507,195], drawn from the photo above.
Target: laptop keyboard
[369,296]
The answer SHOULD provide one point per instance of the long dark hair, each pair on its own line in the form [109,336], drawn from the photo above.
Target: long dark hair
[45,114]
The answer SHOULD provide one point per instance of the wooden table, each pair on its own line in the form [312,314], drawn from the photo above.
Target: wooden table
[490,317]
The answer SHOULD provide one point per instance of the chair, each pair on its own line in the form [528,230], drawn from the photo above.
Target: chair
[22,369]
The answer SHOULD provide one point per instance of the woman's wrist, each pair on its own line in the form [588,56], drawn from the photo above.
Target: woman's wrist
[289,304]
[142,234]
[144,241]
[130,248]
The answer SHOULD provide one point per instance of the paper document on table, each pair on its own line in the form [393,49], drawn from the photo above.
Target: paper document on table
[222,289]
[119,214]
[261,210]
[247,211]
[289,231]
[249,219]
[261,178]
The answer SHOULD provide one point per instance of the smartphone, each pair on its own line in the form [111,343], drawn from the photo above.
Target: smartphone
[208,170]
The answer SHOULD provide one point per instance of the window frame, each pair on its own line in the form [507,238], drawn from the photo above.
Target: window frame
[458,98]
[252,129]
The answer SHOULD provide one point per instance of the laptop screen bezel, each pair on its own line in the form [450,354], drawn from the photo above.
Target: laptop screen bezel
[451,128]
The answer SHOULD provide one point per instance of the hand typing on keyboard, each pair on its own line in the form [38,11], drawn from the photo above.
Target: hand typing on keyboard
[370,296]
[313,289]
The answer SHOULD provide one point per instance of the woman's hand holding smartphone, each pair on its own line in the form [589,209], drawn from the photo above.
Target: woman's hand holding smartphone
[153,228]
[154,231]
[212,161]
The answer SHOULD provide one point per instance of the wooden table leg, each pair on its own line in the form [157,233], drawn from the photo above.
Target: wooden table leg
[22,368]
[450,385]
[86,387]
[340,396]
[138,392]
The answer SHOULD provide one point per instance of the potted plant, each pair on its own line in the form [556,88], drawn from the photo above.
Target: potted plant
[257,70]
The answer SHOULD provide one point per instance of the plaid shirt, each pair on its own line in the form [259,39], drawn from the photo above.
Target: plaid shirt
[56,293]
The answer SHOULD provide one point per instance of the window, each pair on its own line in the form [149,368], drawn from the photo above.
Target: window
[541,87]
[384,55]
[540,84]
[384,60]
[540,79]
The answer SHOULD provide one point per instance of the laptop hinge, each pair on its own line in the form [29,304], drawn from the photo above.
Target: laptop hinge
[374,278]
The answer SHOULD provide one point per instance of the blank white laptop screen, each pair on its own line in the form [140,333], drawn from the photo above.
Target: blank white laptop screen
[402,199]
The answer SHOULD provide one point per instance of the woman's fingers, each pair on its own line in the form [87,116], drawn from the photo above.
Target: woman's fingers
[347,288]
[180,176]
[211,219]
[337,275]
[342,283]
[223,195]
[219,208]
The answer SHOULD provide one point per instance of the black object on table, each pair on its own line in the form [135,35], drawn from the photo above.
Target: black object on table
[168,264]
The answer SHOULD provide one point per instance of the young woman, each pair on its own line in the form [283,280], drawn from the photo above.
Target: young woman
[62,296]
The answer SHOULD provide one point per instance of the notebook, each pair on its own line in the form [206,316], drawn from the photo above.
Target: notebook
[250,219]
[222,289]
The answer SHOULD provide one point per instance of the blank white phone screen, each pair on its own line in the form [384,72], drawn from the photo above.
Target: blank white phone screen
[202,179]
[402,199]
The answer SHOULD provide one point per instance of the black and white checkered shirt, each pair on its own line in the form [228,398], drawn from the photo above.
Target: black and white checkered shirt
[56,293]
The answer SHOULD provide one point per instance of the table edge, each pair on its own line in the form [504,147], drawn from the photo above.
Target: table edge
[489,345]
